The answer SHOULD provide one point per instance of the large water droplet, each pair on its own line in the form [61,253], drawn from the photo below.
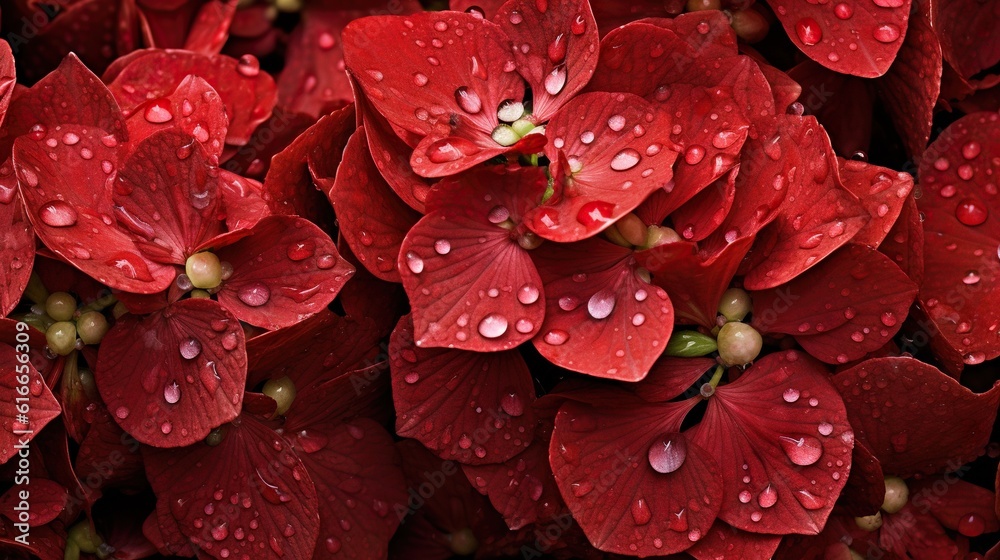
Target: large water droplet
[595,213]
[971,212]
[493,325]
[57,214]
[625,160]
[803,450]
[601,304]
[468,100]
[414,262]
[556,337]
[667,454]
[172,393]
[158,111]
[254,294]
[767,497]
[886,33]
[555,81]
[190,348]
[808,31]
[248,66]
[451,149]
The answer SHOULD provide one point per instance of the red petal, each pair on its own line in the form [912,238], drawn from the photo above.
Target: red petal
[562,42]
[818,215]
[68,198]
[48,500]
[467,406]
[916,434]
[965,507]
[959,194]
[17,248]
[163,531]
[204,118]
[725,541]
[911,86]
[313,79]
[826,33]
[851,304]
[706,211]
[865,490]
[694,280]
[776,429]
[522,489]
[289,188]
[842,103]
[603,460]
[7,77]
[375,220]
[392,157]
[914,533]
[358,480]
[470,284]
[448,91]
[286,271]
[249,95]
[168,181]
[905,242]
[248,495]
[619,151]
[882,191]
[969,38]
[40,402]
[210,29]
[671,377]
[109,456]
[268,139]
[170,377]
[367,296]
[601,318]
[243,201]
[313,351]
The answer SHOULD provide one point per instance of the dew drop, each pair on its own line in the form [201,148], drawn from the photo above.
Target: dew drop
[254,294]
[493,325]
[57,214]
[803,451]
[190,348]
[556,337]
[468,100]
[158,111]
[625,160]
[667,454]
[601,304]
[414,262]
[808,31]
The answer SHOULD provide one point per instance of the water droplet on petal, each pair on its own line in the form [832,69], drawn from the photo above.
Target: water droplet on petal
[414,262]
[971,212]
[767,497]
[601,304]
[254,294]
[640,512]
[556,337]
[57,214]
[493,325]
[468,100]
[790,395]
[809,31]
[248,66]
[190,348]
[158,111]
[172,393]
[803,451]
[667,454]
[625,160]
[886,33]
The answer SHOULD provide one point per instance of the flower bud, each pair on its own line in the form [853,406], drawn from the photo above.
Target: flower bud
[739,344]
[896,494]
[690,344]
[203,270]
[92,326]
[735,304]
[60,306]
[61,337]
[463,542]
[869,522]
[282,391]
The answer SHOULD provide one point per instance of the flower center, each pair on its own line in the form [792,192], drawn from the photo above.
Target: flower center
[204,270]
[282,390]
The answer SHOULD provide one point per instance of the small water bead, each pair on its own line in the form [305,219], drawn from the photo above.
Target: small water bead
[767,497]
[58,214]
[555,81]
[172,393]
[694,154]
[442,247]
[843,11]
[468,100]
[790,395]
[248,66]
[971,212]
[254,294]
[616,123]
[971,150]
[886,33]
[668,453]
[528,294]
[556,337]
[190,348]
[414,262]
[158,111]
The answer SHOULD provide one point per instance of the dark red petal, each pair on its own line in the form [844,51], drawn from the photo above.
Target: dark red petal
[273,135]
[243,201]
[786,90]
[7,77]
[850,304]
[694,280]
[17,248]
[522,488]
[250,494]
[47,500]
[818,215]
[108,457]
[285,271]
[957,176]
[288,186]
[467,406]
[167,196]
[619,151]
[470,283]
[726,541]
[916,434]
[905,242]
[367,296]
[778,428]
[69,204]
[170,377]
[195,109]
[969,39]
[603,461]
[373,219]
[671,377]
[914,533]
[210,28]
[602,317]
[248,93]
[842,103]
[164,533]
[313,79]
[562,47]
[853,37]
[965,507]
[40,402]
[392,157]
[706,211]
[313,351]
[865,490]
[356,470]
[449,91]
[166,24]
[911,86]
[882,191]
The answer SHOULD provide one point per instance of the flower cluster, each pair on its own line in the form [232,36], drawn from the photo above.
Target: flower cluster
[523,279]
